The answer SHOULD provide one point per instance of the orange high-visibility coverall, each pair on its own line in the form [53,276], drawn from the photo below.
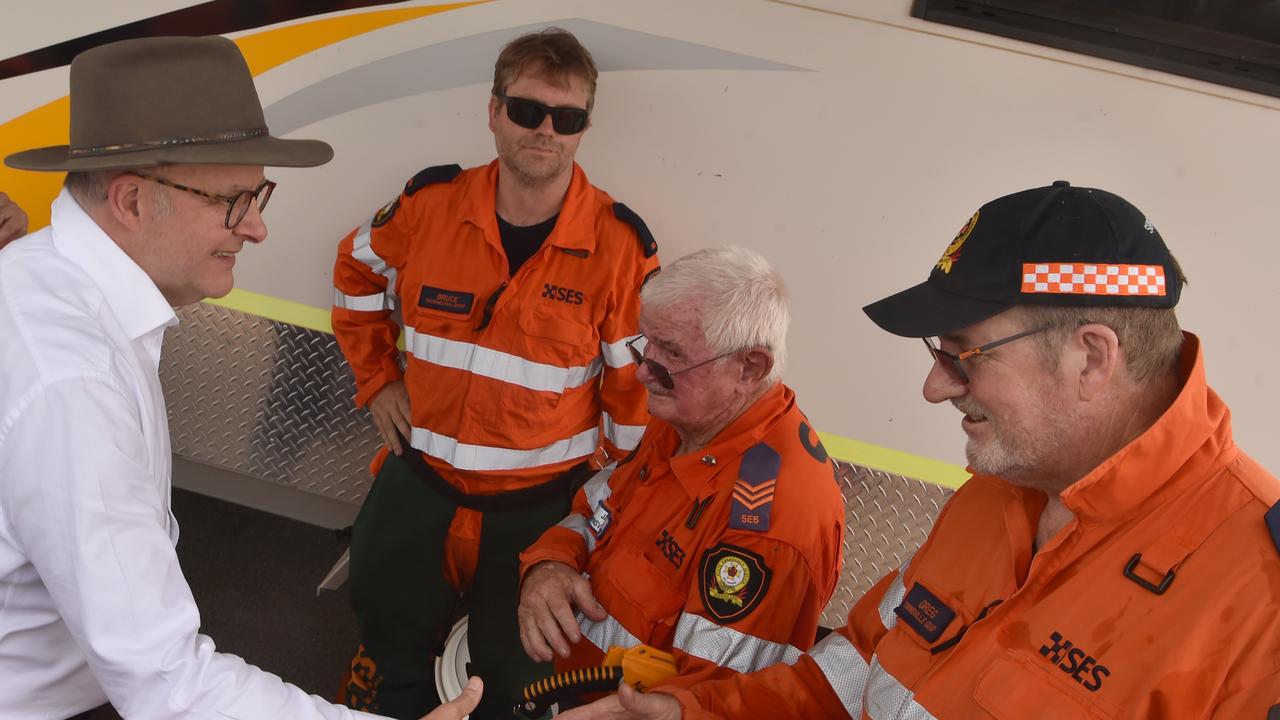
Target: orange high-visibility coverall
[511,380]
[980,625]
[725,557]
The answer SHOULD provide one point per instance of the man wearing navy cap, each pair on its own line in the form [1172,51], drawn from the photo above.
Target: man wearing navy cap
[1114,553]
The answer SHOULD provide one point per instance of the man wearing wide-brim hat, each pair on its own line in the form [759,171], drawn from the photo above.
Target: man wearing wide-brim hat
[165,186]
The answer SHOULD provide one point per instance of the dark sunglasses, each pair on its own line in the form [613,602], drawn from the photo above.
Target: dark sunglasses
[529,114]
[237,205]
[660,373]
[951,363]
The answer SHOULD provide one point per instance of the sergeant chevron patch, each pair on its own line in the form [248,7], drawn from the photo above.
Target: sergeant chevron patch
[753,493]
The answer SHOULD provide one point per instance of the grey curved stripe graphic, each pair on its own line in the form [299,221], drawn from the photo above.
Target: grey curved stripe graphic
[469,60]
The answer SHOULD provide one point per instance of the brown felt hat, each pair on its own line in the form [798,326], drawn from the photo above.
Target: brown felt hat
[167,100]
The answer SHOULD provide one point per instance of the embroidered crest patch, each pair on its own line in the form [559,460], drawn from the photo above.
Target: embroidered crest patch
[733,582]
[952,253]
[388,211]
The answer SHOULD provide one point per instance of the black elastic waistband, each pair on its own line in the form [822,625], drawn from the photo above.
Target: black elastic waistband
[561,486]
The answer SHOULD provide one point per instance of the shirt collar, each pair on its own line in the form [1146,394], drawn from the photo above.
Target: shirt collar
[130,293]
[574,229]
[1187,442]
[697,470]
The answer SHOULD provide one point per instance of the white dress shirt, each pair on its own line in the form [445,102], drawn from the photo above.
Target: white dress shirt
[93,605]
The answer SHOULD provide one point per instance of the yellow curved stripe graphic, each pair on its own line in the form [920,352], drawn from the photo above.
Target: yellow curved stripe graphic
[50,124]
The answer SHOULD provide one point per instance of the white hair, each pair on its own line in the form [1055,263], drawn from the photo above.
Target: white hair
[743,300]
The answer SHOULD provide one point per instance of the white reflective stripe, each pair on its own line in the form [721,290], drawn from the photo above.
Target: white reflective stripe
[497,365]
[624,437]
[844,669]
[893,598]
[617,355]
[578,524]
[483,457]
[728,647]
[860,685]
[597,488]
[888,699]
[607,633]
[364,303]
[362,250]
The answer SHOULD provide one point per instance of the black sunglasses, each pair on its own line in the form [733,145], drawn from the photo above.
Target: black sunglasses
[237,205]
[659,372]
[529,114]
[951,363]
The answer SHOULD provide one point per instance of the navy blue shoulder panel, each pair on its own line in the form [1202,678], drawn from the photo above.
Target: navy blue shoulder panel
[1273,523]
[431,176]
[759,464]
[629,216]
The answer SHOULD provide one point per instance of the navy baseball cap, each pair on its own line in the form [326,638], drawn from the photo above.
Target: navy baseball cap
[1055,245]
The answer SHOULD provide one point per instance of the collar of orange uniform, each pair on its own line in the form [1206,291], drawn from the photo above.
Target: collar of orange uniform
[1188,441]
[693,471]
[574,229]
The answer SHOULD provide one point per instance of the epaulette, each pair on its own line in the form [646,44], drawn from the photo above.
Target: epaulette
[431,176]
[629,216]
[1273,523]
[753,493]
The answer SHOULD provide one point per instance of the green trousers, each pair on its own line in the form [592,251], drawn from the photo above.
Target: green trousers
[404,606]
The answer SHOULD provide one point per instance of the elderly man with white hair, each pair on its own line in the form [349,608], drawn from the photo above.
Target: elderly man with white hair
[719,539]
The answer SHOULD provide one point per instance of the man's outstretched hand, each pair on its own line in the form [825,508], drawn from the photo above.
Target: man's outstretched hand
[628,705]
[460,706]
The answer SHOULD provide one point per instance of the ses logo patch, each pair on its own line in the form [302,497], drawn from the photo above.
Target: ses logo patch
[1075,661]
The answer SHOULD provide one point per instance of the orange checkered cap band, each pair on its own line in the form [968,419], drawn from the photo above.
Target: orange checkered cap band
[1095,279]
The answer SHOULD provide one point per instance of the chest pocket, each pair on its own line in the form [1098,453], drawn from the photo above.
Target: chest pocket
[648,592]
[1012,688]
[559,336]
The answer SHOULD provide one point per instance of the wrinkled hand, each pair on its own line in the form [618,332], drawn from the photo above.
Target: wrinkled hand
[628,705]
[548,596]
[390,409]
[13,221]
[460,706]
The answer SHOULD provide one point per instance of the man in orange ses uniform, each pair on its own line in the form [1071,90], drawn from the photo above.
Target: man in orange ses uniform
[518,285]
[719,539]
[1114,554]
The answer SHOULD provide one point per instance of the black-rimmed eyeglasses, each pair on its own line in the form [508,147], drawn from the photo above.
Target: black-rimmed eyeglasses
[951,362]
[237,205]
[660,373]
[529,114]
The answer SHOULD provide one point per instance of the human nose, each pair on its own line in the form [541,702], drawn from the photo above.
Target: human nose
[252,227]
[941,384]
[546,127]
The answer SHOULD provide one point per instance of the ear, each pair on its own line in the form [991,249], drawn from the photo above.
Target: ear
[757,363]
[1096,358]
[495,105]
[124,200]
